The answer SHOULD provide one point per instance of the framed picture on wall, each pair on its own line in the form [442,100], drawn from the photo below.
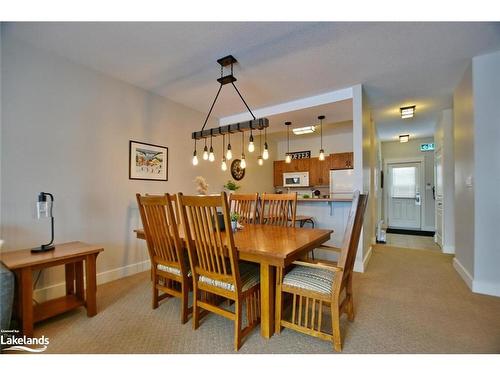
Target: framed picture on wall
[147,162]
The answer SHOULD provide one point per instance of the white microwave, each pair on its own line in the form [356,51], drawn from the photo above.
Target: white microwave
[295,179]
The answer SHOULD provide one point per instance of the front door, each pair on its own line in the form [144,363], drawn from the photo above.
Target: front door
[404,200]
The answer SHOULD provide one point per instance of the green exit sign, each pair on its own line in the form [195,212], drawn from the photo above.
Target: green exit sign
[427,147]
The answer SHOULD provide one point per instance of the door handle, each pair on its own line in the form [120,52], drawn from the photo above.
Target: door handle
[418,202]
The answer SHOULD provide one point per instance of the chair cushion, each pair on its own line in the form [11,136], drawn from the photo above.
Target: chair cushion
[249,276]
[309,278]
[173,270]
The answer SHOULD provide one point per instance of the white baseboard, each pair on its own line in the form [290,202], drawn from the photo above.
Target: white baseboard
[464,274]
[360,266]
[486,288]
[448,249]
[59,289]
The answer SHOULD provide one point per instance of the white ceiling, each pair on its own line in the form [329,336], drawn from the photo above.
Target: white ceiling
[334,113]
[398,63]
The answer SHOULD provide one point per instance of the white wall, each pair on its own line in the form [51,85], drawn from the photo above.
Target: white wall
[443,139]
[477,175]
[411,149]
[464,133]
[338,139]
[66,130]
[363,148]
[1,122]
[486,87]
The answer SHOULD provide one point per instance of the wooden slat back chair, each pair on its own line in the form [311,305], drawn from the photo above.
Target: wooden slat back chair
[169,264]
[216,269]
[278,209]
[246,207]
[313,285]
[175,206]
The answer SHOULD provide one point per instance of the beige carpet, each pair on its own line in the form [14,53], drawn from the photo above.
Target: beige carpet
[408,301]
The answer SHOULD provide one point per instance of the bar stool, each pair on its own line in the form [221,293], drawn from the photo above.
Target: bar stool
[302,219]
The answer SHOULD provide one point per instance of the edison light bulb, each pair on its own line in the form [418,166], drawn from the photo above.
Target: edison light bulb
[223,166]
[260,161]
[229,154]
[251,146]
[321,155]
[288,158]
[195,159]
[211,155]
[205,153]
[265,154]
[243,163]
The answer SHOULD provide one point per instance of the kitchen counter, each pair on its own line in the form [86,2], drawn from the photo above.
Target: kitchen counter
[324,199]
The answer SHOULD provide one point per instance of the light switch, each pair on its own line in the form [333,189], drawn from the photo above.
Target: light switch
[468,181]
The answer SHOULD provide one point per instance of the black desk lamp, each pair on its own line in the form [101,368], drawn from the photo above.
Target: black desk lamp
[44,209]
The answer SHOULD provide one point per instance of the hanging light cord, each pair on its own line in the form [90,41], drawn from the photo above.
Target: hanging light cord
[260,143]
[321,132]
[288,138]
[243,143]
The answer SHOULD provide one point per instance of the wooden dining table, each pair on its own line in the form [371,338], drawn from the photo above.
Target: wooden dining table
[271,246]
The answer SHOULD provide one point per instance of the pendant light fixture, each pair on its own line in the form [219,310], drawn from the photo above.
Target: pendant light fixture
[229,153]
[321,151]
[205,151]
[195,158]
[243,163]
[260,161]
[211,155]
[223,165]
[251,146]
[288,158]
[227,63]
[265,154]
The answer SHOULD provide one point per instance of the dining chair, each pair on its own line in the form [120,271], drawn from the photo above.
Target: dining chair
[313,285]
[175,206]
[278,209]
[245,205]
[170,269]
[214,262]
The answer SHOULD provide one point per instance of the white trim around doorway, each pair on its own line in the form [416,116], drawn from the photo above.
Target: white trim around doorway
[415,159]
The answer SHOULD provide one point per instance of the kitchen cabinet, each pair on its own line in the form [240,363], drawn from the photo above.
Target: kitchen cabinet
[279,166]
[297,165]
[319,171]
[343,160]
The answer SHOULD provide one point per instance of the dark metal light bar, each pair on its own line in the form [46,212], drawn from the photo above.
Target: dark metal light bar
[257,124]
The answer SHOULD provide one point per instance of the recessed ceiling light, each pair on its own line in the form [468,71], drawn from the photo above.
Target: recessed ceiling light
[407,112]
[404,138]
[304,130]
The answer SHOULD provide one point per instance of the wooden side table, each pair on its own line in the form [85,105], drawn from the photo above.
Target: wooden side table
[73,255]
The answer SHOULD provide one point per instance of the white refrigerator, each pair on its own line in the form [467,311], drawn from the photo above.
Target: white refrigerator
[341,183]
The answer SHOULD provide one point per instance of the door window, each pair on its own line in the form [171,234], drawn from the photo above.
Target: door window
[404,182]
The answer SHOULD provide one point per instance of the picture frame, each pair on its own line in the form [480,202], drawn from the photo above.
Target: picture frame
[147,161]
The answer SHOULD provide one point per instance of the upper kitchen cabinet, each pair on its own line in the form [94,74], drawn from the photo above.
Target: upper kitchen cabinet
[343,160]
[297,165]
[279,168]
[319,171]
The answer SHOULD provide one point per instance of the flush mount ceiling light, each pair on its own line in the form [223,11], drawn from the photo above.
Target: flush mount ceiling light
[304,130]
[403,138]
[254,124]
[407,112]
